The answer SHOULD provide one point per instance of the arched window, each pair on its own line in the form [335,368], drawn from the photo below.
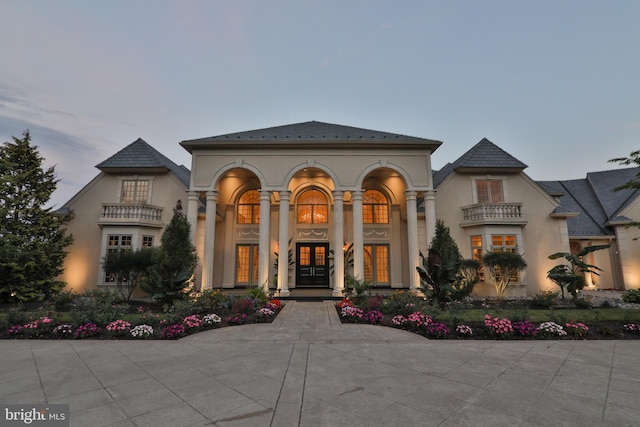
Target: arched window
[249,208]
[313,208]
[375,207]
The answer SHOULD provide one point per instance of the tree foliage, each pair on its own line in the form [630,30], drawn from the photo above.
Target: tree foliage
[571,276]
[173,263]
[502,266]
[33,238]
[632,184]
[129,268]
[444,274]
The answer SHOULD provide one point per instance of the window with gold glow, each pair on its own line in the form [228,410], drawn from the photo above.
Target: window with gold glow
[247,265]
[313,208]
[375,207]
[376,264]
[249,208]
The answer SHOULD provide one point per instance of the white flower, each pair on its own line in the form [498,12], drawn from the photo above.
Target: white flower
[211,319]
[142,331]
[551,328]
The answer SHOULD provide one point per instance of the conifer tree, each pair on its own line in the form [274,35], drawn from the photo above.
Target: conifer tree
[32,238]
[173,263]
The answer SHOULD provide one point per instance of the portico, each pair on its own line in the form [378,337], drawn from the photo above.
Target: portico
[329,200]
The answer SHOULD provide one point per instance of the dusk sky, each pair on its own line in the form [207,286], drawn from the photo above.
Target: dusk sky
[554,83]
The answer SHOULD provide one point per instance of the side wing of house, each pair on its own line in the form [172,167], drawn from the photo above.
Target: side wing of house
[125,207]
[490,204]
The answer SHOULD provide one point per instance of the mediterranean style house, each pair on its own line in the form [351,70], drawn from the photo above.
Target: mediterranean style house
[304,205]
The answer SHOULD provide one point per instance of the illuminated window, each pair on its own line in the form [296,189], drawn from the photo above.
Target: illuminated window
[249,208]
[489,191]
[476,254]
[247,265]
[115,244]
[134,191]
[376,264]
[313,208]
[503,242]
[375,208]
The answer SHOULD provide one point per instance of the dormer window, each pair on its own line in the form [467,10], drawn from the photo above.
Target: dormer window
[134,191]
[489,191]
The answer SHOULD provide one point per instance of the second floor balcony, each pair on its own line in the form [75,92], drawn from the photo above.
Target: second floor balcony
[493,213]
[130,214]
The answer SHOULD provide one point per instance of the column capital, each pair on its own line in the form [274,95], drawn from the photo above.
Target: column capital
[356,194]
[286,194]
[338,194]
[193,194]
[265,194]
[411,194]
[212,195]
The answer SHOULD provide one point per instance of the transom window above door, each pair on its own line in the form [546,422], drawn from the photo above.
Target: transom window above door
[249,208]
[313,208]
[375,207]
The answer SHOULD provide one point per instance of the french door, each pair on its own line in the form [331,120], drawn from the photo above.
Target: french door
[312,266]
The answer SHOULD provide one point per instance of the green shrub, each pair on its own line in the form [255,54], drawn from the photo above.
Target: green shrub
[632,296]
[545,299]
[211,299]
[181,309]
[401,302]
[63,301]
[257,293]
[582,302]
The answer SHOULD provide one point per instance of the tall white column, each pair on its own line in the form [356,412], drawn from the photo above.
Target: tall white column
[412,239]
[283,243]
[209,240]
[338,242]
[358,236]
[430,215]
[263,243]
[192,214]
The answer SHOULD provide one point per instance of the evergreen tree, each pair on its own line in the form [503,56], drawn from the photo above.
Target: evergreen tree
[32,238]
[444,274]
[173,263]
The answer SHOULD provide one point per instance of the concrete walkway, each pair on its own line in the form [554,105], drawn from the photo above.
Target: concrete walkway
[308,369]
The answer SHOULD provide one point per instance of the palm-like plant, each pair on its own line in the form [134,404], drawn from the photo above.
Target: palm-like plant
[571,276]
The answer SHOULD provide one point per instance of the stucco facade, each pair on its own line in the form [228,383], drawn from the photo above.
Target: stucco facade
[341,164]
[305,205]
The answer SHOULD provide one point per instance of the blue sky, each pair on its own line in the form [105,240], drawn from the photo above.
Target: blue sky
[554,83]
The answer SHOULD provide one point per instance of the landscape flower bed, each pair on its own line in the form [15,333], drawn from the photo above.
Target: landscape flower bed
[487,320]
[97,315]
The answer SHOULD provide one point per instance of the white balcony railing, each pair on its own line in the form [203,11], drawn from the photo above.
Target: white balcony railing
[135,213]
[493,212]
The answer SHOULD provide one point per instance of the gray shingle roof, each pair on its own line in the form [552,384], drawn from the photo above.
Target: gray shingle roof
[594,199]
[312,131]
[485,155]
[139,155]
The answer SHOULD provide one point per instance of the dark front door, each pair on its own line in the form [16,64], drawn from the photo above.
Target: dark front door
[312,266]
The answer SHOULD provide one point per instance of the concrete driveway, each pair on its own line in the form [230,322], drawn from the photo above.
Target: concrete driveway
[308,369]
